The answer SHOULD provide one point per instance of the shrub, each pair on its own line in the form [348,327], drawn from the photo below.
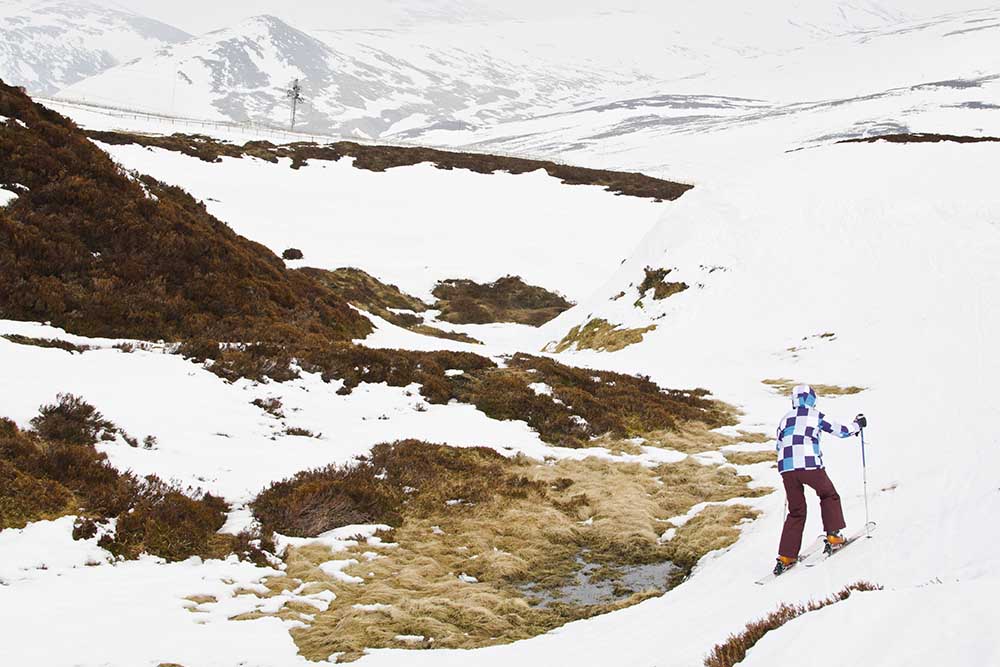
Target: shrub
[24,498]
[167,523]
[292,253]
[374,489]
[316,501]
[199,349]
[734,649]
[71,419]
[42,479]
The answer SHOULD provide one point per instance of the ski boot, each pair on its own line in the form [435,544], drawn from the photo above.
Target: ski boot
[783,564]
[833,542]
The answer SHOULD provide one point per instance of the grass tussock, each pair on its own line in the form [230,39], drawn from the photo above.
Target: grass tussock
[102,252]
[508,299]
[380,158]
[656,280]
[601,335]
[715,527]
[749,458]
[471,529]
[734,649]
[694,437]
[46,343]
[785,386]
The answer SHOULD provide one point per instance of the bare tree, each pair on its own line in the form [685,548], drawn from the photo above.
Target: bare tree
[295,95]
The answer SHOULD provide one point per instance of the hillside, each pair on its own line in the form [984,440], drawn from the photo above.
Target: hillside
[135,258]
[491,409]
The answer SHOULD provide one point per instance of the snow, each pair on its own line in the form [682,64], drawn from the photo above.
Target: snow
[6,197]
[335,569]
[44,573]
[413,226]
[891,247]
[45,546]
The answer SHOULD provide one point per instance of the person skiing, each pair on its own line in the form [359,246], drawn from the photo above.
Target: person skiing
[800,462]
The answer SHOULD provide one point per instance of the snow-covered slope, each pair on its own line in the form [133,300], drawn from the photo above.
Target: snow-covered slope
[350,86]
[930,75]
[415,226]
[847,264]
[46,45]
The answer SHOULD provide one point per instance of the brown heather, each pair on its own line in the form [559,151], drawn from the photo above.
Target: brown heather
[734,649]
[656,280]
[45,479]
[103,253]
[380,158]
[508,299]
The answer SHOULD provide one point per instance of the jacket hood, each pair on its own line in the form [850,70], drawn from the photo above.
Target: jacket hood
[803,396]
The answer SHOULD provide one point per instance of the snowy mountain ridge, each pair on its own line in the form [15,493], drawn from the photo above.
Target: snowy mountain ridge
[46,45]
[243,73]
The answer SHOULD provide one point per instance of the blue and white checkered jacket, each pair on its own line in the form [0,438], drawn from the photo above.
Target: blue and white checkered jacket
[799,432]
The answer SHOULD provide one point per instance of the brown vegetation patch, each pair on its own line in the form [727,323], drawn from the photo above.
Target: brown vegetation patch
[656,280]
[368,293]
[44,479]
[472,529]
[104,253]
[920,137]
[584,405]
[601,335]
[46,342]
[380,158]
[734,649]
[508,299]
[72,420]
[785,386]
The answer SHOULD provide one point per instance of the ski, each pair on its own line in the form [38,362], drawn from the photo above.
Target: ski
[812,549]
[823,554]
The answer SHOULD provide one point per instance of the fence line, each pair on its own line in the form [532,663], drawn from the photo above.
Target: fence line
[258,128]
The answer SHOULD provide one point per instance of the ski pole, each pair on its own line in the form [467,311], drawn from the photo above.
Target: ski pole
[864,473]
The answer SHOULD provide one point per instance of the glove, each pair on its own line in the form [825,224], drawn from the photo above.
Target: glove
[861,421]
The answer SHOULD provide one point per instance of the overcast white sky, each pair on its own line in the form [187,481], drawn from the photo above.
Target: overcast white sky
[198,16]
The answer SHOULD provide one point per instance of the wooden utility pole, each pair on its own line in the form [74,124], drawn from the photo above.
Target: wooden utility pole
[295,95]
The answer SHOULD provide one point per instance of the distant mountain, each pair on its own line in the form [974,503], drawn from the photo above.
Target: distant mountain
[50,44]
[351,87]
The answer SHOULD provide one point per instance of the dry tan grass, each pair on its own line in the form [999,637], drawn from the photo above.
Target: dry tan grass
[785,386]
[715,527]
[612,513]
[600,335]
[695,437]
[749,458]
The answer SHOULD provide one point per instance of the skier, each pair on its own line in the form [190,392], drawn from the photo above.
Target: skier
[800,463]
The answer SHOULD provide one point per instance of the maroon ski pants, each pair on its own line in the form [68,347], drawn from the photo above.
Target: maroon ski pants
[829,506]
